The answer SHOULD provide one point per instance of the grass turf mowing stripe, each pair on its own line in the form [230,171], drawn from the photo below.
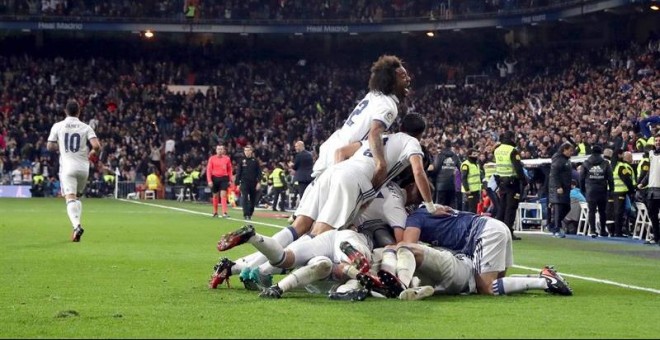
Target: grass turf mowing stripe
[201,213]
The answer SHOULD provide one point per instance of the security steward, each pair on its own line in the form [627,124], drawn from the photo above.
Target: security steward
[471,181]
[512,179]
[624,186]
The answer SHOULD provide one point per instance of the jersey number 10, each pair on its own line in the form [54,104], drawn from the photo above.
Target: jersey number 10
[71,142]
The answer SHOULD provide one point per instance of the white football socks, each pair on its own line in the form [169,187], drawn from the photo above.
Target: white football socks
[405,265]
[510,285]
[273,251]
[389,261]
[317,268]
[74,210]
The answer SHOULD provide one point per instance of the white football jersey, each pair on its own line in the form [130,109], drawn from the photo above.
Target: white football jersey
[398,148]
[374,106]
[388,207]
[72,135]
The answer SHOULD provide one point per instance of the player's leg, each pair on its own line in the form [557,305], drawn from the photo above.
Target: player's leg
[441,270]
[406,264]
[284,237]
[70,187]
[317,268]
[224,184]
[268,246]
[389,262]
[494,254]
[215,191]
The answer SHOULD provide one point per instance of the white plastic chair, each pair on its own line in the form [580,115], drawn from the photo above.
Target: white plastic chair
[583,221]
[149,194]
[522,216]
[642,223]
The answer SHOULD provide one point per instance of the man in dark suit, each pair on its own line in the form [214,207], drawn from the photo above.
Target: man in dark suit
[302,165]
[559,190]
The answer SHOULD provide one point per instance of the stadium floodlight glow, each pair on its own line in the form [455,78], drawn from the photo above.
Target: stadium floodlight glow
[430,34]
[655,7]
[148,34]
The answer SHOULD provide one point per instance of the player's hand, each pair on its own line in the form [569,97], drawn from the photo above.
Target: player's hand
[560,190]
[379,176]
[443,210]
[210,184]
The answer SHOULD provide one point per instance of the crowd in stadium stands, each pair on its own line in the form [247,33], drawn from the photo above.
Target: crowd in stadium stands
[592,97]
[280,10]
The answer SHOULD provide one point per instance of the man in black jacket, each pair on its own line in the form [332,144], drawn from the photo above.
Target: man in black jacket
[445,168]
[560,187]
[302,165]
[597,182]
[247,178]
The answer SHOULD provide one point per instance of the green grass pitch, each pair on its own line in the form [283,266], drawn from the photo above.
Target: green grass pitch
[141,271]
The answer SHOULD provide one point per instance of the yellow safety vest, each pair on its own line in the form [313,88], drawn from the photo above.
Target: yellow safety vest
[644,161]
[195,174]
[152,182]
[108,178]
[490,169]
[582,149]
[172,178]
[651,140]
[640,144]
[503,160]
[37,179]
[190,12]
[275,177]
[187,178]
[264,179]
[619,186]
[474,176]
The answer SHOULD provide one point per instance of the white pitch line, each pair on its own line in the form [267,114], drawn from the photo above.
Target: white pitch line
[586,278]
[593,279]
[200,213]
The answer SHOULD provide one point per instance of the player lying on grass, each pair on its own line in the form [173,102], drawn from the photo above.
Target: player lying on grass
[486,241]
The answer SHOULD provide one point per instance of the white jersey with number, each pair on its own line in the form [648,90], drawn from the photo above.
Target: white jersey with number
[72,135]
[374,106]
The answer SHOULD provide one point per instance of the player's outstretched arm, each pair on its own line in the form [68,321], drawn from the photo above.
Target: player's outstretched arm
[422,181]
[376,146]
